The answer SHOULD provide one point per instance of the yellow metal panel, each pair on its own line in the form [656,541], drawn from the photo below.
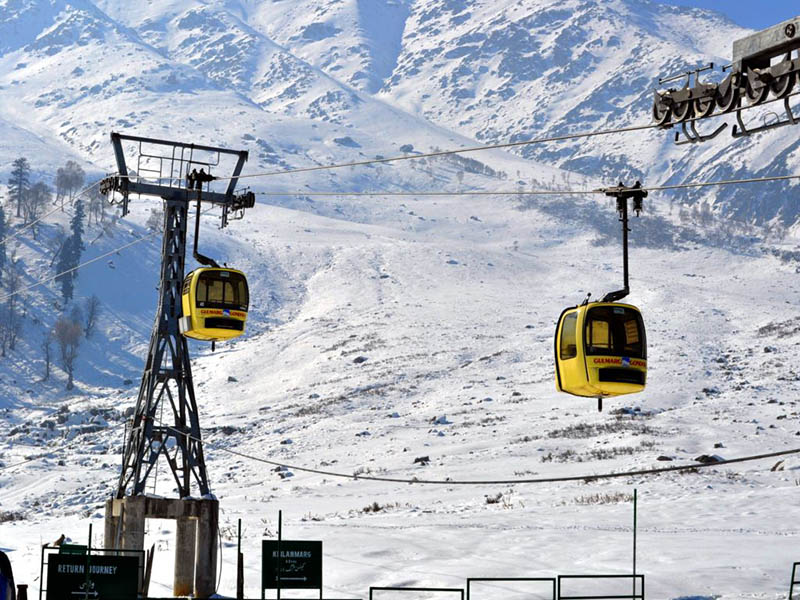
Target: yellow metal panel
[579,373]
[212,294]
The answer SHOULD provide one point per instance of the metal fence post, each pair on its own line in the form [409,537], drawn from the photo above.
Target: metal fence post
[634,542]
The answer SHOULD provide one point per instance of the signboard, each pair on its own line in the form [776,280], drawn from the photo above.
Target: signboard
[112,577]
[300,565]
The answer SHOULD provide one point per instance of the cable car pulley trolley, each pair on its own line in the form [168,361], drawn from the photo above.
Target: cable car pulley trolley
[765,66]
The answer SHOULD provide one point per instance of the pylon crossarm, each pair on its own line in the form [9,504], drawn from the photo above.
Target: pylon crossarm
[173,170]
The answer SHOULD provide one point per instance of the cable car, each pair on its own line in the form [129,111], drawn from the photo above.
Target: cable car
[215,302]
[601,350]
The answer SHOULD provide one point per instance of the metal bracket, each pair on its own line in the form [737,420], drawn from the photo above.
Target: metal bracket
[742,131]
[179,157]
[687,74]
[235,210]
[622,194]
[695,136]
[113,184]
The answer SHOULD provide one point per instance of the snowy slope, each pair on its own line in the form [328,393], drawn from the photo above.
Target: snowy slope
[510,70]
[505,70]
[452,316]
[121,80]
[489,70]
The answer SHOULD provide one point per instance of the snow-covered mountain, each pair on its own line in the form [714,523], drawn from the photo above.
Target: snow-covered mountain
[412,336]
[490,70]
[500,70]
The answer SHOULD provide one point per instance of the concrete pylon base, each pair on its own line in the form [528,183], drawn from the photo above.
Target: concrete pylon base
[195,539]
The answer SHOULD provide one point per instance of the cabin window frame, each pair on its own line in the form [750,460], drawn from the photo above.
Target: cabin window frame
[568,351]
[233,280]
[616,329]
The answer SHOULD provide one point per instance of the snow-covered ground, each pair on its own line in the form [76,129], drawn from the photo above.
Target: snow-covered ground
[452,303]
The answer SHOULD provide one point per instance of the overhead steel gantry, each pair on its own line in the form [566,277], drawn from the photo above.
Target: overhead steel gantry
[167,377]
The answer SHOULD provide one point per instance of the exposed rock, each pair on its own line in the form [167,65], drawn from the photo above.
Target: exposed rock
[347,142]
[709,459]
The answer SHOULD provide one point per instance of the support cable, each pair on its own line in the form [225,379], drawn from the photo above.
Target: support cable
[80,266]
[390,194]
[27,460]
[86,263]
[664,188]
[475,482]
[480,482]
[44,216]
[602,191]
[501,146]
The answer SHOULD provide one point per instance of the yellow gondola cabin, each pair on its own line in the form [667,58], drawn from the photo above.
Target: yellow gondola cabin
[215,302]
[601,350]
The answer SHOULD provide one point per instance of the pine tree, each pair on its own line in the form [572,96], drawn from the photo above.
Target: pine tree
[19,182]
[3,235]
[71,254]
[66,261]
[76,225]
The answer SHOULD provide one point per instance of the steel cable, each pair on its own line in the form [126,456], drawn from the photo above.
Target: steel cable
[661,188]
[587,478]
[44,216]
[501,146]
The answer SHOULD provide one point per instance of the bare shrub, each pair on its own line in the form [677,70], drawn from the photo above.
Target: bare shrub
[782,330]
[376,508]
[607,498]
[494,499]
[92,313]
[68,334]
[598,453]
[588,430]
[8,516]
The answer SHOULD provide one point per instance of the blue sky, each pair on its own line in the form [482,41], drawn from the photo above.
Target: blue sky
[756,14]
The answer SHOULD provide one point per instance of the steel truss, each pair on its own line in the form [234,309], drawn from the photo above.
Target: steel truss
[167,378]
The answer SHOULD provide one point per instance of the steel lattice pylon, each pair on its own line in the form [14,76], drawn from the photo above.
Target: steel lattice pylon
[167,377]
